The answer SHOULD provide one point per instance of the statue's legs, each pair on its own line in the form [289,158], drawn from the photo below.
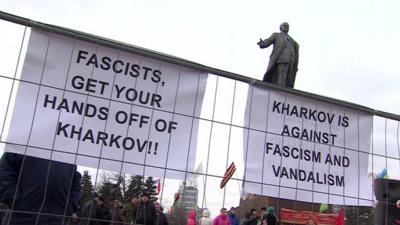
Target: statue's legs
[282,73]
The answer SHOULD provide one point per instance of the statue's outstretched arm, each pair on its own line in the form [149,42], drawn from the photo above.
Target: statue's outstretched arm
[266,42]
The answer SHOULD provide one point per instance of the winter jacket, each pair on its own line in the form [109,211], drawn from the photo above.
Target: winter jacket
[222,220]
[252,221]
[271,219]
[249,219]
[161,219]
[115,214]
[102,215]
[233,219]
[93,214]
[205,220]
[191,220]
[127,212]
[88,211]
[32,185]
[144,213]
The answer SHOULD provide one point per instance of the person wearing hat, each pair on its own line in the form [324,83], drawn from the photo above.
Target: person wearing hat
[271,218]
[145,212]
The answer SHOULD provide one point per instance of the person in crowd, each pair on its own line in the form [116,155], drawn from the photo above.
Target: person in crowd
[38,191]
[144,212]
[232,216]
[191,218]
[245,219]
[222,218]
[251,218]
[161,218]
[397,206]
[271,218]
[94,212]
[127,209]
[205,220]
[103,216]
[88,211]
[115,213]
[263,216]
[254,213]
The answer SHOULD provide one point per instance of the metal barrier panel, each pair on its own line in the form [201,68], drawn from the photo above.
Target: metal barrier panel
[211,112]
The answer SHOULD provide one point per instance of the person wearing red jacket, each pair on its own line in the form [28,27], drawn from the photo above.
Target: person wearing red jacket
[222,218]
[191,220]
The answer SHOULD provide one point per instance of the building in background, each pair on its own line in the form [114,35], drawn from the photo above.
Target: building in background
[188,196]
[185,200]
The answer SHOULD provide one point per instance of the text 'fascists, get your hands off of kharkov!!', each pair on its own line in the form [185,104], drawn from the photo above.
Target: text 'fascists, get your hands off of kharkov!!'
[123,93]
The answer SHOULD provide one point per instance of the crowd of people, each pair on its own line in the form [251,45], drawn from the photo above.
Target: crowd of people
[143,211]
[266,216]
[253,217]
[40,191]
[137,211]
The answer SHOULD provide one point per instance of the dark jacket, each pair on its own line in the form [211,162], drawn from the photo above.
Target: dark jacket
[253,221]
[249,220]
[234,220]
[31,185]
[144,213]
[103,215]
[161,219]
[93,214]
[271,219]
[115,215]
[87,212]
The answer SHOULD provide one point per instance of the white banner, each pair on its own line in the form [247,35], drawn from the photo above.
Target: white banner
[99,107]
[306,150]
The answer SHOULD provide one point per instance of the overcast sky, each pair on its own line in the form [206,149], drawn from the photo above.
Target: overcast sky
[348,49]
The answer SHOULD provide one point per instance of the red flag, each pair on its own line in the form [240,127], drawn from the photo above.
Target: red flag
[340,218]
[158,186]
[228,174]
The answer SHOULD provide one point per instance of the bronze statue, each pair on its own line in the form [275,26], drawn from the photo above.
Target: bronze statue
[284,58]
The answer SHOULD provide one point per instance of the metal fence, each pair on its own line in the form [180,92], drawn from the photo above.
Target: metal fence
[221,124]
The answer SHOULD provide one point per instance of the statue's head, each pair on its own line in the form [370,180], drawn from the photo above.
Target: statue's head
[284,27]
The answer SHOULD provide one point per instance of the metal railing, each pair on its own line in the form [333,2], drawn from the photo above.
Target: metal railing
[385,152]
